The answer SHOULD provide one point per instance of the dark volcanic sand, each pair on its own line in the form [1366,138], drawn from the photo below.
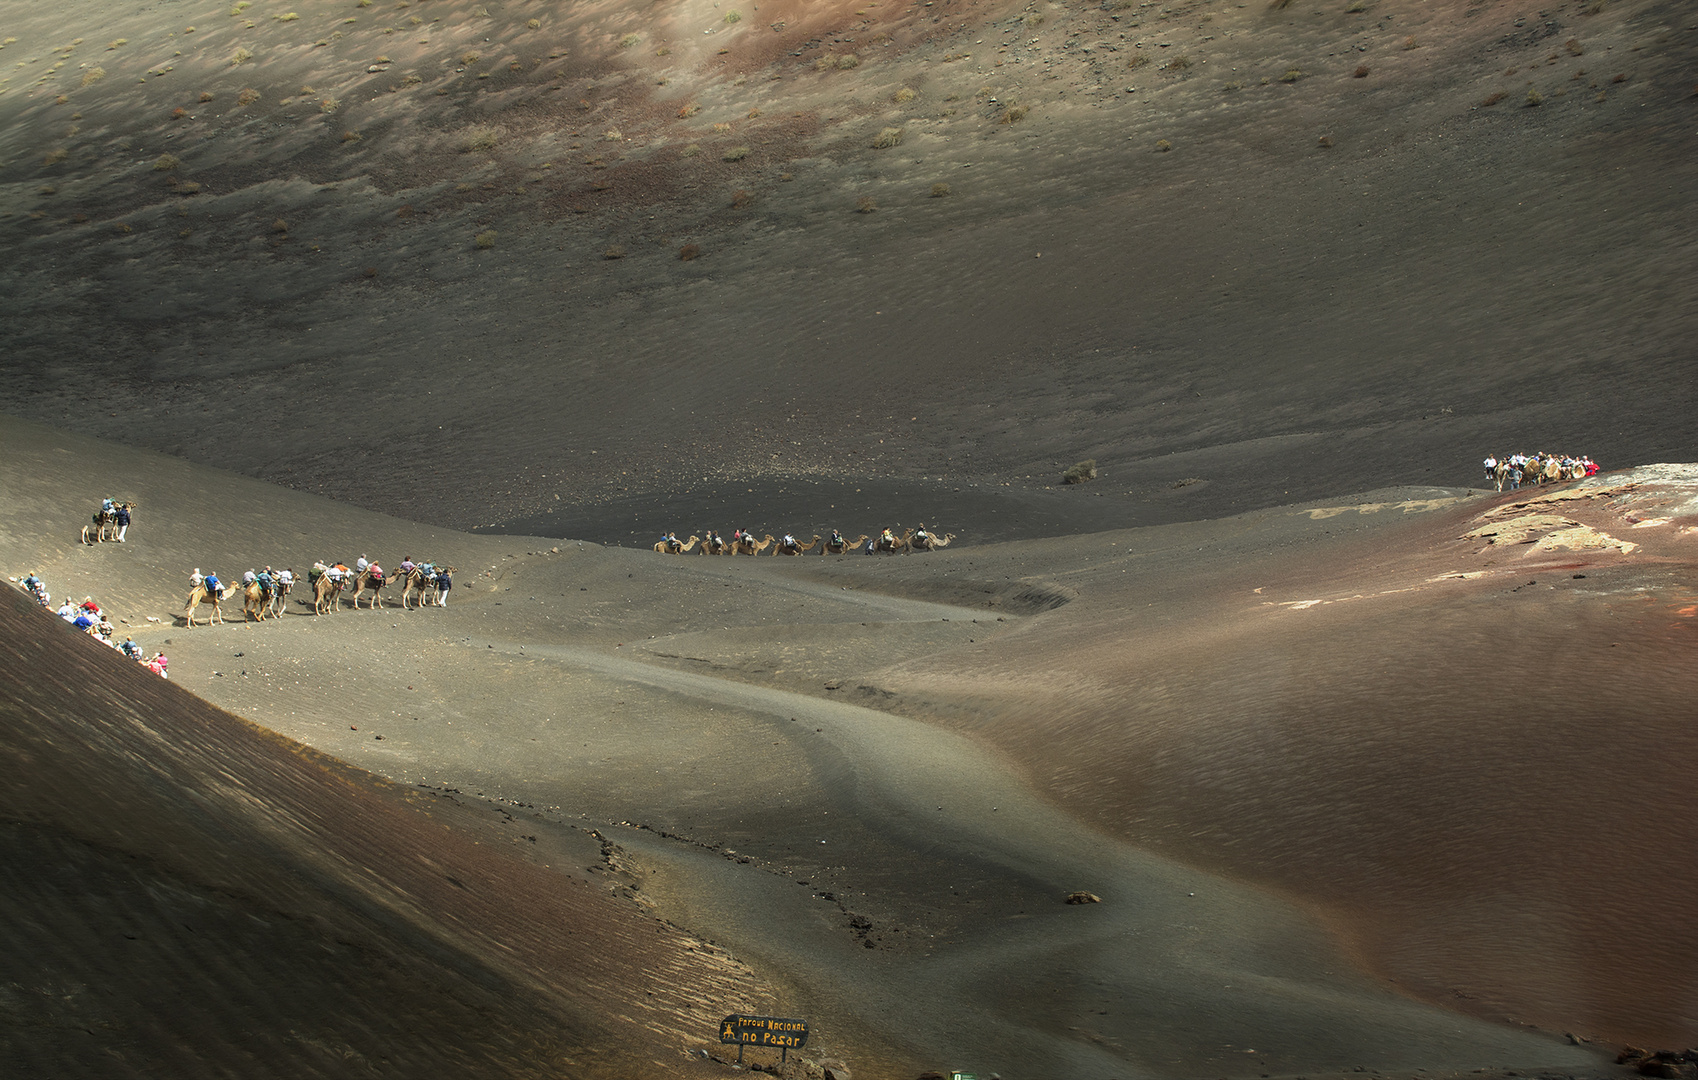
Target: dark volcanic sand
[1238,276]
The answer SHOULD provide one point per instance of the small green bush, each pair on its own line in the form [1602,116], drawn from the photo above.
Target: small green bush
[737,153]
[485,239]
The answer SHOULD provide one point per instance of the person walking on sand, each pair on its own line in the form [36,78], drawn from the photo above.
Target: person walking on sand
[122,517]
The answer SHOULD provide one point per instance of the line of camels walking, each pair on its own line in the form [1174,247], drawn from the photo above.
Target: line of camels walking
[744,543]
[421,586]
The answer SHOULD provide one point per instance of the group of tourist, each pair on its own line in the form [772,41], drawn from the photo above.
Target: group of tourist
[90,618]
[1536,468]
[431,576]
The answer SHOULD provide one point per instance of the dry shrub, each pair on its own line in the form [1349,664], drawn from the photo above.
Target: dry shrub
[904,95]
[468,59]
[120,43]
[480,140]
[534,24]
[247,97]
[1534,98]
[733,16]
[865,205]
[179,112]
[240,6]
[741,198]
[165,163]
[889,137]
[736,153]
[692,150]
[122,228]
[1163,146]
[722,128]
[205,96]
[1137,60]
[288,16]
[1361,71]
[940,191]
[629,40]
[1408,43]
[187,187]
[55,156]
[1293,75]
[1493,99]
[280,226]
[1178,63]
[1080,472]
[1574,47]
[613,135]
[753,113]
[847,61]
[485,239]
[685,111]
[1033,20]
[1013,114]
[1357,7]
[689,251]
[351,136]
[93,75]
[405,210]
[329,105]
[614,252]
[1621,78]
[241,56]
[1325,141]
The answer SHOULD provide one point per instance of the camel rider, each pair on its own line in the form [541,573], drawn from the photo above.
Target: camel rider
[130,649]
[360,565]
[836,538]
[374,573]
[196,580]
[158,663]
[213,586]
[265,581]
[920,534]
[790,542]
[285,579]
[249,577]
[407,566]
[106,506]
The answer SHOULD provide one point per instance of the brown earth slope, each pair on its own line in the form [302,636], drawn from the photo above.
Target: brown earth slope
[188,894]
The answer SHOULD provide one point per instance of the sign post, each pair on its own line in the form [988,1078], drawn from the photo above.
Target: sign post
[780,1031]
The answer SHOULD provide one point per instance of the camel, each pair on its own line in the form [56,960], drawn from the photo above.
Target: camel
[105,524]
[837,545]
[256,602]
[280,597]
[326,592]
[746,546]
[713,544]
[198,596]
[417,580]
[673,546]
[371,582]
[928,541]
[890,543]
[795,547]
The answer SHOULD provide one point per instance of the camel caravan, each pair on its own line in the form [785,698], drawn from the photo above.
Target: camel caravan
[1536,468]
[743,542]
[265,593]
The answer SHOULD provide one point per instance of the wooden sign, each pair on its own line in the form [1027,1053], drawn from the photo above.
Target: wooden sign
[775,1031]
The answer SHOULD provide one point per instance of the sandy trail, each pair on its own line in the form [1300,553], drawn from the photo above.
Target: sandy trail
[1166,940]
